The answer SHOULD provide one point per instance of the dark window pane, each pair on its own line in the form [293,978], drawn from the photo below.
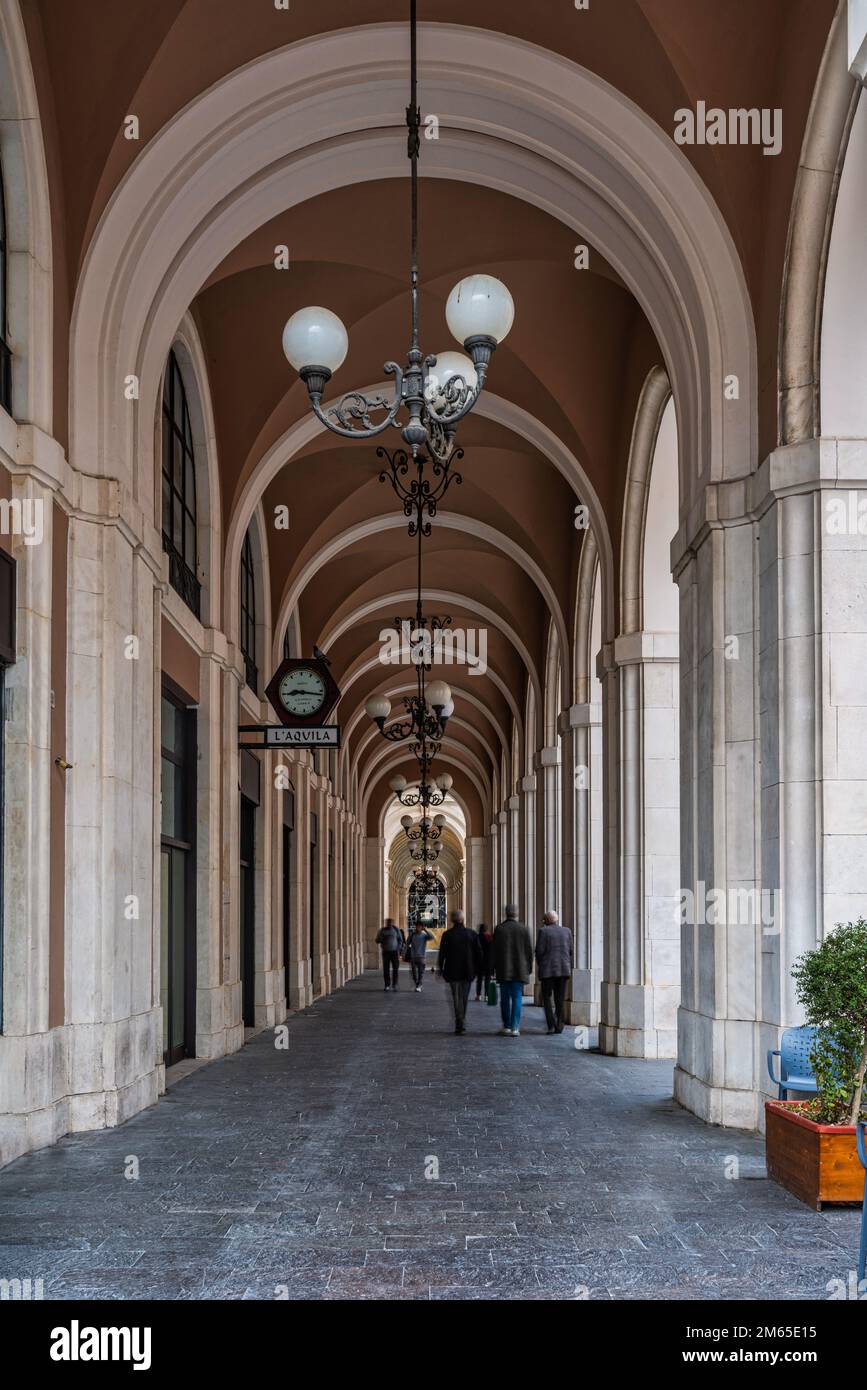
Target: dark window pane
[167,507]
[190,541]
[179,931]
[165,918]
[170,775]
[190,484]
[169,714]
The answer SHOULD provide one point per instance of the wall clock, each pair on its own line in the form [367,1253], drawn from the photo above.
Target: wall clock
[302,691]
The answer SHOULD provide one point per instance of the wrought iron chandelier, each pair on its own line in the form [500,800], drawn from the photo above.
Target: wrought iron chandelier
[425,879]
[434,392]
[423,836]
[427,711]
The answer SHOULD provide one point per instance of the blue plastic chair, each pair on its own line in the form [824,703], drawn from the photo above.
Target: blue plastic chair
[862,1154]
[794,1054]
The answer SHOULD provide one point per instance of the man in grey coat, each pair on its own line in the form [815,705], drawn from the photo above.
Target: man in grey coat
[513,966]
[390,940]
[554,957]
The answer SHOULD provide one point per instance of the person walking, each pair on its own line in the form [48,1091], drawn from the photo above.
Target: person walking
[513,966]
[419,936]
[459,962]
[486,942]
[390,940]
[554,960]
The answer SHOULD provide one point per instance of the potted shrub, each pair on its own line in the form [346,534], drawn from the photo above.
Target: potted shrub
[811,1144]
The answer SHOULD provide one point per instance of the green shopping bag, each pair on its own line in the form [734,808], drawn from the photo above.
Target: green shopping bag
[491,997]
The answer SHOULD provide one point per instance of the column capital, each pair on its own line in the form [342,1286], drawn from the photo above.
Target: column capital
[719,504]
[528,784]
[547,757]
[809,466]
[605,663]
[514,803]
[503,818]
[579,716]
[637,648]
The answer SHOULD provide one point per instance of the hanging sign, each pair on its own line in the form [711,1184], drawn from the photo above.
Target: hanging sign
[303,736]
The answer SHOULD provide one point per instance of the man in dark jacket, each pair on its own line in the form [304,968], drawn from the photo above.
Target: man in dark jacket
[460,959]
[513,966]
[418,939]
[554,957]
[390,941]
[486,942]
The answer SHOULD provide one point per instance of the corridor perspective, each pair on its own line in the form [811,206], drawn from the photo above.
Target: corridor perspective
[433,482]
[367,1160]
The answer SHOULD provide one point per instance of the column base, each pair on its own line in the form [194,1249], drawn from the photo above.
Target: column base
[715,1076]
[639,1020]
[271,1006]
[717,1105]
[583,1007]
[216,1035]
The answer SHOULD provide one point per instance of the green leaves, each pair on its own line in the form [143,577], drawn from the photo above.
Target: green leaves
[832,987]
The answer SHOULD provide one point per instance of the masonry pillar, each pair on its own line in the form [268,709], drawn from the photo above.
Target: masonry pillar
[374,904]
[714,561]
[494,859]
[548,765]
[811,501]
[33,1054]
[528,794]
[583,1008]
[112,939]
[640,1015]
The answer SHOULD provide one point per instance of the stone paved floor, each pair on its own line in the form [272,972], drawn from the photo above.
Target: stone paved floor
[301,1173]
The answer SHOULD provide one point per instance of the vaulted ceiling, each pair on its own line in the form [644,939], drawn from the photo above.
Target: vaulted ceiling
[504,553]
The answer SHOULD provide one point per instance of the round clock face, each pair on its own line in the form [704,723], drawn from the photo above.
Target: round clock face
[302,691]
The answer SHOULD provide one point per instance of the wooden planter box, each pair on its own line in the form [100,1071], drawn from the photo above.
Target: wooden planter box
[819,1163]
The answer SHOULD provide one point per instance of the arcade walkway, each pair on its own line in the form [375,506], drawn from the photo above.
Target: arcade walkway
[301,1173]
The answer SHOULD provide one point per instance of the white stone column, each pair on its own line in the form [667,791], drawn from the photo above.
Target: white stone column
[586,723]
[497,906]
[529,906]
[565,904]
[504,856]
[112,928]
[714,554]
[230,869]
[33,1060]
[548,762]
[375,911]
[477,895]
[640,1011]
[811,499]
[214,1037]
[514,832]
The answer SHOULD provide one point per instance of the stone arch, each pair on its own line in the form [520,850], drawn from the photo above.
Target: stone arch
[435,596]
[489,407]
[188,349]
[28,228]
[522,120]
[843,362]
[259,546]
[654,397]
[823,151]
[391,521]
